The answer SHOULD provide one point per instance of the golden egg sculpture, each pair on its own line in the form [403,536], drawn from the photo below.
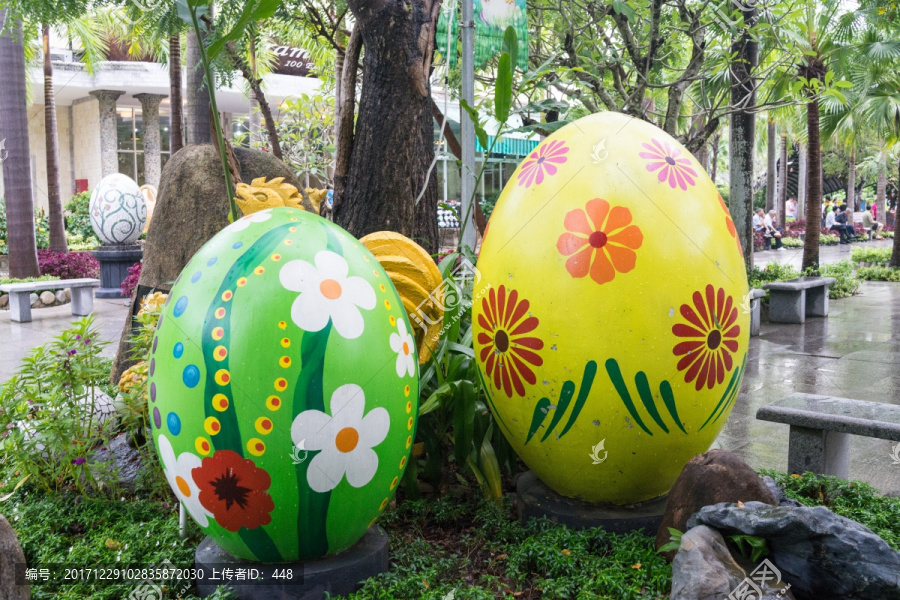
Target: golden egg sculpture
[611,321]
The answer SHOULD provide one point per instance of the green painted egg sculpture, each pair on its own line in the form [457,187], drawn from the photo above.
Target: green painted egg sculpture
[283,387]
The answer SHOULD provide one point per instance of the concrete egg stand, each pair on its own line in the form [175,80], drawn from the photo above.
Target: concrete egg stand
[118,214]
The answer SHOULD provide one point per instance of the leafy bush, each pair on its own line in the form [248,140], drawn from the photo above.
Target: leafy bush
[872,256]
[78,219]
[3,249]
[878,273]
[78,243]
[827,238]
[68,265]
[771,272]
[48,418]
[41,228]
[852,499]
[5,280]
[792,242]
[847,283]
[129,284]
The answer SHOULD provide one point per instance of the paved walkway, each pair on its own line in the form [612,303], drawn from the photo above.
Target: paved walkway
[827,254]
[855,353]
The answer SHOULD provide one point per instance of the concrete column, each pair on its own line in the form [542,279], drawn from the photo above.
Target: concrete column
[152,159]
[227,123]
[109,160]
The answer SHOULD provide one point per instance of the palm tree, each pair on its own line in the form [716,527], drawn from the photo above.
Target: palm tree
[176,137]
[16,153]
[54,212]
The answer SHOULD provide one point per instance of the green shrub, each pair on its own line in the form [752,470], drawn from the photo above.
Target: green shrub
[828,239]
[847,283]
[5,280]
[878,273]
[78,219]
[48,419]
[792,242]
[78,243]
[41,228]
[877,256]
[771,272]
[3,249]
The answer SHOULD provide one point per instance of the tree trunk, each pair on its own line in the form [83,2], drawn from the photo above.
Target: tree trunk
[393,144]
[801,182]
[814,188]
[771,165]
[782,182]
[851,181]
[346,112]
[714,161]
[881,185]
[745,50]
[259,107]
[176,136]
[51,141]
[16,154]
[895,252]
[199,131]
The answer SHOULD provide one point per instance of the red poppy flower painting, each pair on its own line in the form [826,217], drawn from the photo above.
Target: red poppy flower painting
[709,338]
[507,351]
[233,489]
[599,240]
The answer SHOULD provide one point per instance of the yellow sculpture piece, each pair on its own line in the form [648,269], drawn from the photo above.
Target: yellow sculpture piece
[134,376]
[418,282]
[149,193]
[316,196]
[261,194]
[152,302]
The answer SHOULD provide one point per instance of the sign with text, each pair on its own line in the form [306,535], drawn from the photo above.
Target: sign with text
[293,61]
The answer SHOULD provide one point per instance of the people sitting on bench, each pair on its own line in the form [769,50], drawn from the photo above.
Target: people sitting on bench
[832,223]
[771,232]
[871,225]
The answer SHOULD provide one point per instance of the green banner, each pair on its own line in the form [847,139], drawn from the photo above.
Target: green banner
[492,17]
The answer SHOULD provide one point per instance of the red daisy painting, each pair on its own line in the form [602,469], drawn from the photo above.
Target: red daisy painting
[709,338]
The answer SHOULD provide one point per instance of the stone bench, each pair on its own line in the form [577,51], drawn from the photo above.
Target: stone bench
[821,427]
[20,303]
[756,295]
[793,300]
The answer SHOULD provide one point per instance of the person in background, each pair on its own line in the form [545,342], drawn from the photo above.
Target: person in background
[844,219]
[872,225]
[790,210]
[758,221]
[832,225]
[827,209]
[862,205]
[874,206]
[772,232]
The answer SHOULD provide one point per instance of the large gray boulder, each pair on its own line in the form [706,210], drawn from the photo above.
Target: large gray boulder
[11,558]
[710,478]
[191,208]
[821,554]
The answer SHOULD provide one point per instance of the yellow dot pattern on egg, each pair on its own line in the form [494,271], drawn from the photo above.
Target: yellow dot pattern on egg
[273,403]
[202,445]
[220,402]
[227,295]
[381,287]
[387,304]
[222,377]
[285,362]
[408,441]
[259,270]
[375,273]
[281,384]
[392,321]
[409,407]
[256,447]
[292,229]
[220,353]
[285,343]
[288,242]
[218,333]
[406,391]
[212,426]
[409,423]
[263,425]
[276,257]
[383,504]
[242,282]
[394,483]
[282,324]
[220,312]
[402,462]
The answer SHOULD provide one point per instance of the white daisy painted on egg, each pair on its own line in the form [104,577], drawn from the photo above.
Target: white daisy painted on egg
[327,294]
[404,345]
[257,217]
[344,439]
[178,473]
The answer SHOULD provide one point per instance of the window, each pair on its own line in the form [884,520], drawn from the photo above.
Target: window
[130,130]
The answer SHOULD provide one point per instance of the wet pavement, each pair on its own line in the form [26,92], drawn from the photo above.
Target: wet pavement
[854,353]
[827,254]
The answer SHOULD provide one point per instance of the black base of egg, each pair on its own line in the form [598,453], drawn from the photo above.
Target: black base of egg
[114,264]
[536,500]
[336,575]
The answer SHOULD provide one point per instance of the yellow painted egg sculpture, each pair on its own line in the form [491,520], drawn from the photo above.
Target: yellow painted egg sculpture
[611,321]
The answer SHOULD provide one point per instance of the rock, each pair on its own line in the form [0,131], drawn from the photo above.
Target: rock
[11,555]
[61,297]
[776,490]
[68,292]
[4,300]
[191,208]
[821,554]
[703,568]
[48,298]
[710,478]
[33,298]
[125,459]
